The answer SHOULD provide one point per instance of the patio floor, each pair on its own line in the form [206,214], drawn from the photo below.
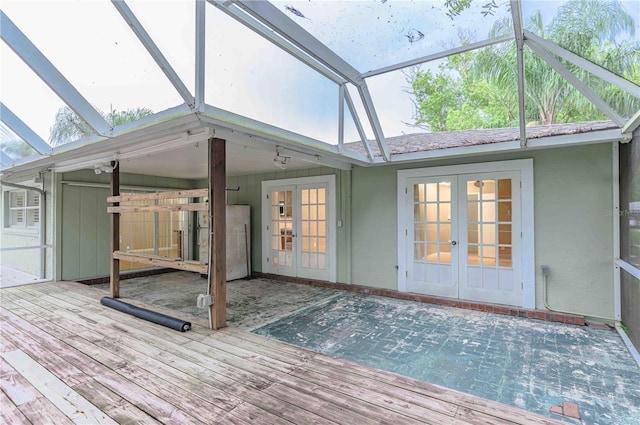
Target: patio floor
[525,363]
[65,358]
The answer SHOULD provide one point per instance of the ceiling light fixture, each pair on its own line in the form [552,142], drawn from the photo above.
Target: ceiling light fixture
[281,160]
[102,167]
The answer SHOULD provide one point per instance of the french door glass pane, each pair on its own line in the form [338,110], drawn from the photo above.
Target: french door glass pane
[313,228]
[282,227]
[432,222]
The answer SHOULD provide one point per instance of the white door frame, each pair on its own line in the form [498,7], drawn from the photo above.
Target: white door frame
[525,167]
[330,181]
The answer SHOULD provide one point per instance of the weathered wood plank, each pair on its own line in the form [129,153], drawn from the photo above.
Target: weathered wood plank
[175,194]
[198,206]
[72,404]
[112,404]
[153,260]
[9,413]
[135,371]
[42,411]
[18,389]
[49,360]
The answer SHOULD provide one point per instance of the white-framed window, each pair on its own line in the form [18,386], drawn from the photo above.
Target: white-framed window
[24,209]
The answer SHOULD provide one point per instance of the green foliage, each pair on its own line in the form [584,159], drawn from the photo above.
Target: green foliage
[68,126]
[478,89]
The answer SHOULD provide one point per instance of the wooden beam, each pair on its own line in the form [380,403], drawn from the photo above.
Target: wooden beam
[154,260]
[201,206]
[115,233]
[191,193]
[217,278]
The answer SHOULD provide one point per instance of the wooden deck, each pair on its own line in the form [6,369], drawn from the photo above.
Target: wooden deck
[65,359]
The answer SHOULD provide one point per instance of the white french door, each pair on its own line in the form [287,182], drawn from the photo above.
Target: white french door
[432,238]
[463,236]
[298,218]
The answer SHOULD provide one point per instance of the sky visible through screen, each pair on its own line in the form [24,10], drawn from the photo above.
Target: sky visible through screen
[94,48]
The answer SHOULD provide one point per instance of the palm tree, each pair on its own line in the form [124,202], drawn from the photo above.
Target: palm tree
[68,126]
[588,28]
[488,81]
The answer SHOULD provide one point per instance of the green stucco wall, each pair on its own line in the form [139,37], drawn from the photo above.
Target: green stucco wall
[83,240]
[250,193]
[573,224]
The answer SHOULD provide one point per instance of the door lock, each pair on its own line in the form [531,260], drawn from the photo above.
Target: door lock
[454,243]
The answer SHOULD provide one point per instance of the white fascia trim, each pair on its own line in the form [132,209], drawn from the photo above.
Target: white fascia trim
[525,167]
[50,75]
[588,66]
[439,55]
[259,28]
[23,130]
[575,82]
[151,47]
[135,128]
[239,124]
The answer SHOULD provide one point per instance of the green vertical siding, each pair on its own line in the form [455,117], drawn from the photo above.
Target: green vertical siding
[84,235]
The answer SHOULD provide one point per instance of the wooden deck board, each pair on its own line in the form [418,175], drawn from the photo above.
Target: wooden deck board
[117,368]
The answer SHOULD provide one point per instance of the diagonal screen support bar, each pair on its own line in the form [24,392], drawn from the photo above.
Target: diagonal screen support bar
[48,73]
[23,130]
[154,51]
[516,13]
[576,83]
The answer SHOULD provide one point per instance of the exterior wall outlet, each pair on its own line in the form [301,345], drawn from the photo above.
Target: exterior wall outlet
[204,301]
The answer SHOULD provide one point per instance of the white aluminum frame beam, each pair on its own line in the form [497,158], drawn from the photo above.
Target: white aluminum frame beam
[273,18]
[200,54]
[29,53]
[23,130]
[341,90]
[358,124]
[516,14]
[154,51]
[632,124]
[436,56]
[262,30]
[597,70]
[293,33]
[576,83]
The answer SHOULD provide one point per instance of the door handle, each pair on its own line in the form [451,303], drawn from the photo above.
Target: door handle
[454,243]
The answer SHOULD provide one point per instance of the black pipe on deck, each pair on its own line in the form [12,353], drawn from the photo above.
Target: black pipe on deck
[151,316]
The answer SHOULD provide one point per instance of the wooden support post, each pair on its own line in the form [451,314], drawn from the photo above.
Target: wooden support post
[217,234]
[115,233]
